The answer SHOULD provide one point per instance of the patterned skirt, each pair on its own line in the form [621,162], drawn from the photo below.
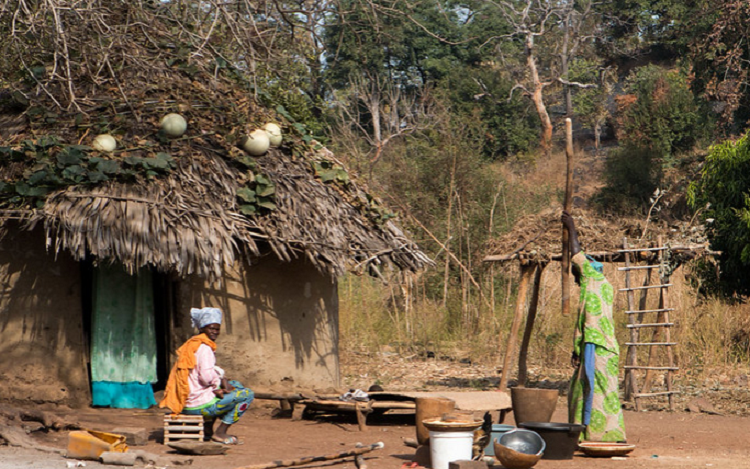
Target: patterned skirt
[597,404]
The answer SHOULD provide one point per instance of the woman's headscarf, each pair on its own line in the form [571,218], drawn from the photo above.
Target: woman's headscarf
[598,266]
[204,316]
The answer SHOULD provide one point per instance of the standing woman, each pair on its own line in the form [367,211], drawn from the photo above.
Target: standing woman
[196,386]
[593,399]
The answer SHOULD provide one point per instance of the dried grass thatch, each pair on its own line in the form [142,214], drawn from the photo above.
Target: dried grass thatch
[538,238]
[134,62]
[189,222]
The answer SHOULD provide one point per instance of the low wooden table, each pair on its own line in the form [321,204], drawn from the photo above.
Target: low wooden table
[361,409]
[470,401]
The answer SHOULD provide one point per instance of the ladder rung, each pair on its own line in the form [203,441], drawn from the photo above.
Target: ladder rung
[667,368]
[646,287]
[656,324]
[663,248]
[651,343]
[640,267]
[652,394]
[664,310]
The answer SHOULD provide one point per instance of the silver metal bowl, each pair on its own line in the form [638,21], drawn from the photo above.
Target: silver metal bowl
[523,441]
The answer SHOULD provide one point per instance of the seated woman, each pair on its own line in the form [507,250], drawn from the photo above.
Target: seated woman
[196,386]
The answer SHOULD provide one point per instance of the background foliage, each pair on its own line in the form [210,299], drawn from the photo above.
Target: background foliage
[722,195]
[427,102]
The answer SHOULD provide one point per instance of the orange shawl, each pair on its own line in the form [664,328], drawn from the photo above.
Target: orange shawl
[178,389]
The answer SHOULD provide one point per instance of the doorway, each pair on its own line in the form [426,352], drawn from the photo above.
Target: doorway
[127,328]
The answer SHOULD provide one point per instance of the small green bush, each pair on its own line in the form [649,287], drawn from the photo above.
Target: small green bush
[721,193]
[660,112]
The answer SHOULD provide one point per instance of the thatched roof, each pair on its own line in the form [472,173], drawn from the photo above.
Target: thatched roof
[183,216]
[538,238]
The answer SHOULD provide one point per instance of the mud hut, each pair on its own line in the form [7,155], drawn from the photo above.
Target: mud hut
[102,254]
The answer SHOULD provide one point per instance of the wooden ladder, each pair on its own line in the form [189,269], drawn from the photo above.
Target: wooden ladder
[660,325]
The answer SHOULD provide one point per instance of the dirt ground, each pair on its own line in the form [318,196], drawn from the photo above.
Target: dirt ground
[663,439]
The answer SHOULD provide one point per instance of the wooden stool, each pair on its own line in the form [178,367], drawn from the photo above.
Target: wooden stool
[181,427]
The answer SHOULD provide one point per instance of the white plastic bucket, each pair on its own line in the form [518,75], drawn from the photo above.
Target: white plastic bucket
[446,447]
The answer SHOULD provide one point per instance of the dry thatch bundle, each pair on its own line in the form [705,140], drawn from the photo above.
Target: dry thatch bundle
[187,204]
[538,238]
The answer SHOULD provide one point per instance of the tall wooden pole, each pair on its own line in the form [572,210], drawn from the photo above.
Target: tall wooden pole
[566,206]
[530,318]
[523,288]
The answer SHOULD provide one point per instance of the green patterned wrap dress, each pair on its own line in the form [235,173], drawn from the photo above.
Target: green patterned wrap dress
[595,343]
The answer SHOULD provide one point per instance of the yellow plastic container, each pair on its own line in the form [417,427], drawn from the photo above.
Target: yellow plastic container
[89,444]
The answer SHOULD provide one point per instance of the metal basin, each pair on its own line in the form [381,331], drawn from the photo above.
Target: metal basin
[519,449]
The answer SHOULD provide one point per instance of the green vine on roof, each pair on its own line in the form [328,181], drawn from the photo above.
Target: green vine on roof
[258,193]
[328,171]
[52,165]
[379,213]
[333,173]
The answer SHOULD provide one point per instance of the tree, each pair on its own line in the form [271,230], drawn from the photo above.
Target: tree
[378,79]
[721,196]
[562,28]
[660,113]
[591,104]
[719,53]
[429,48]
[710,38]
[657,29]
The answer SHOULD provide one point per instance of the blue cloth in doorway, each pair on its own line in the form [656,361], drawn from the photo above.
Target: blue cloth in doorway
[123,395]
[123,338]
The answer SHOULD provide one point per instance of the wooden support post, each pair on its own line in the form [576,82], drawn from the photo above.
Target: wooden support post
[635,334]
[662,318]
[565,263]
[670,355]
[523,288]
[298,411]
[631,386]
[652,350]
[530,318]
[361,411]
[286,407]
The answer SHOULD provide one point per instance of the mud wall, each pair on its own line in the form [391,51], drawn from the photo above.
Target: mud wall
[42,346]
[280,329]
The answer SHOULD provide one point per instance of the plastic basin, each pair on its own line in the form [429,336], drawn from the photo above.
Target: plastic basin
[561,438]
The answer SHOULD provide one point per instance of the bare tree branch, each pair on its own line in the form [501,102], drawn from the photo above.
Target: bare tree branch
[577,84]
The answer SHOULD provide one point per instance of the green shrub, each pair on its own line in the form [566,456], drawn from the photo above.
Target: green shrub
[721,193]
[660,112]
[511,126]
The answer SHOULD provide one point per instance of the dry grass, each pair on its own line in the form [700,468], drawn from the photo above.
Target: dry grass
[713,337]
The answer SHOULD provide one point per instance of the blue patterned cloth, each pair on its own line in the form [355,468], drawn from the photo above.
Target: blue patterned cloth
[229,408]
